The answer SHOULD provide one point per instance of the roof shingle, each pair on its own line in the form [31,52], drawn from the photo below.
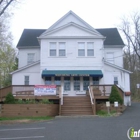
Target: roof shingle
[29,37]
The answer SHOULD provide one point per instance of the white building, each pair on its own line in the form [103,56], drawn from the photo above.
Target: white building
[73,54]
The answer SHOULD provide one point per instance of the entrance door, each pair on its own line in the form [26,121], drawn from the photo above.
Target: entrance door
[67,84]
[76,83]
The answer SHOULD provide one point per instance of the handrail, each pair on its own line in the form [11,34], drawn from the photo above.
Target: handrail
[91,95]
[61,95]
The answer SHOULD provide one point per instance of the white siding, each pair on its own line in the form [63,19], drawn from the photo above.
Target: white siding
[71,31]
[71,61]
[23,56]
[68,19]
[33,73]
[118,55]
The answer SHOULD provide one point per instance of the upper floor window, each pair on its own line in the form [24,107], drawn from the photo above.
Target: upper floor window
[53,48]
[90,49]
[110,57]
[26,80]
[30,58]
[81,49]
[62,49]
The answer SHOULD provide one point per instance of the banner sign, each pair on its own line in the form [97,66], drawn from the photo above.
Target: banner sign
[44,90]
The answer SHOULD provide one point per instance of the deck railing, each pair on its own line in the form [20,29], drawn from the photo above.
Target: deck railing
[24,92]
[101,90]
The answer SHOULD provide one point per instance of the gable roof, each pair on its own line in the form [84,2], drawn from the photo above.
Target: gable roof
[93,32]
[112,36]
[76,16]
[29,37]
[25,67]
[117,67]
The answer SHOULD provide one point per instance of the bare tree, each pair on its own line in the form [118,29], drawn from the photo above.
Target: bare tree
[130,27]
[4,4]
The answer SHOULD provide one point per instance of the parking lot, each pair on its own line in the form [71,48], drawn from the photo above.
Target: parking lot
[76,128]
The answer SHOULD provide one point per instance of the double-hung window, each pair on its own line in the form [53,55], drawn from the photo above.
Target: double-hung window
[90,49]
[30,58]
[110,57]
[53,49]
[62,49]
[81,49]
[116,80]
[26,80]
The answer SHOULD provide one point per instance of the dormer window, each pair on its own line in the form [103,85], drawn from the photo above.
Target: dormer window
[53,48]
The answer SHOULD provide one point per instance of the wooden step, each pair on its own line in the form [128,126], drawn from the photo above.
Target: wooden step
[76,105]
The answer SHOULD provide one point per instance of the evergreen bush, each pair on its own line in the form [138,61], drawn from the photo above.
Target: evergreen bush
[115,96]
[9,99]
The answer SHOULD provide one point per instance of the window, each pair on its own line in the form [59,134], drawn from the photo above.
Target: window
[62,49]
[81,49]
[115,80]
[26,80]
[52,48]
[48,81]
[90,49]
[95,80]
[110,57]
[57,81]
[76,83]
[30,58]
[67,83]
[85,83]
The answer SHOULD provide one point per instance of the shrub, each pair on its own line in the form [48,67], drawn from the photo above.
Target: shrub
[46,101]
[9,99]
[115,96]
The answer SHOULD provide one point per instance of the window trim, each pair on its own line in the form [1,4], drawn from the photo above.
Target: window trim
[82,49]
[29,62]
[115,80]
[26,80]
[110,59]
[61,49]
[57,50]
[90,49]
[52,49]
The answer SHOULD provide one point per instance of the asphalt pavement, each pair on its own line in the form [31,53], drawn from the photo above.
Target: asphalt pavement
[76,128]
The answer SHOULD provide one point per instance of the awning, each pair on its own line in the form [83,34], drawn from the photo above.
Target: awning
[92,73]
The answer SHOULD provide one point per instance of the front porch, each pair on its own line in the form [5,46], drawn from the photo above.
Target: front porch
[68,105]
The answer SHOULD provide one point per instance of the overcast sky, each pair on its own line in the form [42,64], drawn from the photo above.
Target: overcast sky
[41,14]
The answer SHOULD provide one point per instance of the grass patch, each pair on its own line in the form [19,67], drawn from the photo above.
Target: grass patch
[28,118]
[105,113]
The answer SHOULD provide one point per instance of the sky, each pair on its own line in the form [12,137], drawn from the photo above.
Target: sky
[41,14]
